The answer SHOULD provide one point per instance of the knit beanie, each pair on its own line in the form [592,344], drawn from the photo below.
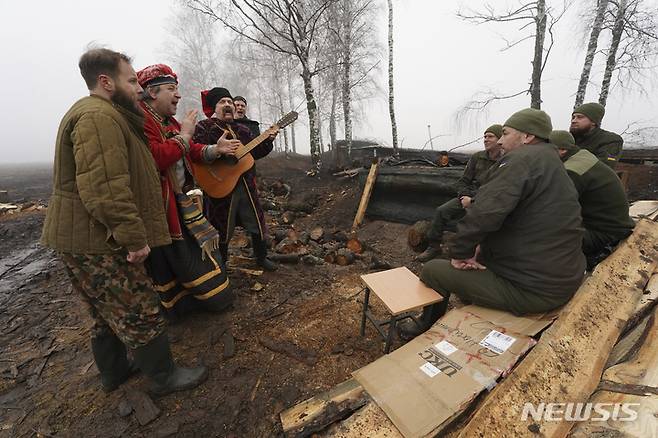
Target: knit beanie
[531,121]
[592,110]
[563,140]
[496,130]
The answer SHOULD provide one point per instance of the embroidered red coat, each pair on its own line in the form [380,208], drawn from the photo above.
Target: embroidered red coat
[167,149]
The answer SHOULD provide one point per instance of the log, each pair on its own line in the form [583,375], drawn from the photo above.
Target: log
[417,236]
[369,421]
[299,206]
[311,260]
[280,234]
[316,413]
[568,361]
[647,302]
[317,233]
[645,425]
[288,217]
[354,245]
[344,257]
[409,194]
[288,246]
[634,381]
[284,258]
[365,196]
[330,257]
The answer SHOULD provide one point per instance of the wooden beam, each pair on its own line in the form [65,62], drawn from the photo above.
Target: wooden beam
[567,363]
[317,412]
[648,301]
[365,197]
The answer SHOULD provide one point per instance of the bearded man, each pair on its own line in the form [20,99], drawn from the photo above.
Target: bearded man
[189,272]
[586,128]
[241,207]
[104,216]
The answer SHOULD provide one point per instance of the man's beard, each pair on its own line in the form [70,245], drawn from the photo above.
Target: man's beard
[124,101]
[578,131]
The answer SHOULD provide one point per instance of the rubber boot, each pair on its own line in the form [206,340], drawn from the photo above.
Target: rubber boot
[260,252]
[111,360]
[433,251]
[409,329]
[155,360]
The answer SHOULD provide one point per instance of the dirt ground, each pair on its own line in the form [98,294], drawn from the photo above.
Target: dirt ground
[49,385]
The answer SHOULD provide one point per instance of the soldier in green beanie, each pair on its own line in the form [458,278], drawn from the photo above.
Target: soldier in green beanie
[602,198]
[474,176]
[518,248]
[586,129]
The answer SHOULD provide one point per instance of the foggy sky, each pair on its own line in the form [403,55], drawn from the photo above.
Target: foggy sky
[440,62]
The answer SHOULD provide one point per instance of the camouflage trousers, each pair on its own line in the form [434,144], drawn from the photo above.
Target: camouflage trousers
[119,295]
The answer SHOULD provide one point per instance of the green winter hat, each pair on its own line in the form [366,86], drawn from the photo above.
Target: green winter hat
[592,110]
[563,140]
[496,130]
[531,121]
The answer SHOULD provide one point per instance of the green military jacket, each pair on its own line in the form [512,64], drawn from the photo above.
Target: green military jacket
[106,187]
[602,198]
[604,144]
[527,223]
[474,174]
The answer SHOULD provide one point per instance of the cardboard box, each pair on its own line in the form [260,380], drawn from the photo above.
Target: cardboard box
[426,383]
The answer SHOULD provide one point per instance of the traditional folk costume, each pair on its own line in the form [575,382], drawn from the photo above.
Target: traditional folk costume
[241,207]
[190,271]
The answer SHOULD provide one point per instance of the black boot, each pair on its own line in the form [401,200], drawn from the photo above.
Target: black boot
[111,360]
[223,250]
[260,252]
[433,251]
[155,360]
[409,329]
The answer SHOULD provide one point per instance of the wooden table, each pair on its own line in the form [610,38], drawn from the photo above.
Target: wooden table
[402,292]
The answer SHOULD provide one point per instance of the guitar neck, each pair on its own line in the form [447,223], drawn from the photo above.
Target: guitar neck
[246,148]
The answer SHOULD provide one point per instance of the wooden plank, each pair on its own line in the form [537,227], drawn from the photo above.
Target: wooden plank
[400,290]
[567,363]
[644,209]
[370,421]
[645,426]
[647,302]
[317,412]
[643,368]
[365,197]
[629,344]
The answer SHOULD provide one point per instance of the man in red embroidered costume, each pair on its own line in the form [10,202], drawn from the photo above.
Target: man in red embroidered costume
[190,271]
[241,207]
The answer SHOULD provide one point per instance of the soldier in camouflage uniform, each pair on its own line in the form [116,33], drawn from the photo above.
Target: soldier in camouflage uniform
[474,176]
[105,214]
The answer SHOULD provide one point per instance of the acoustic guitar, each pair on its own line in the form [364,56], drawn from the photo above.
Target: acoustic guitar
[218,179]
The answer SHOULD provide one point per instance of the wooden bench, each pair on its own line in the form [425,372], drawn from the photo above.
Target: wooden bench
[402,292]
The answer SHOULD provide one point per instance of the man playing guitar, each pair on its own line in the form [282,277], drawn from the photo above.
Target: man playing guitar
[241,206]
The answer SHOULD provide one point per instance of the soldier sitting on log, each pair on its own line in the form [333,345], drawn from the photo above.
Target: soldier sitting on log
[518,248]
[602,198]
[474,176]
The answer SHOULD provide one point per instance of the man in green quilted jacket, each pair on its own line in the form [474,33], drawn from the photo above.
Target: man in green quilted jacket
[586,128]
[105,214]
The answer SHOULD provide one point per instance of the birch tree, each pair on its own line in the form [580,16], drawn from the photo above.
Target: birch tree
[535,15]
[391,98]
[631,55]
[291,28]
[597,26]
